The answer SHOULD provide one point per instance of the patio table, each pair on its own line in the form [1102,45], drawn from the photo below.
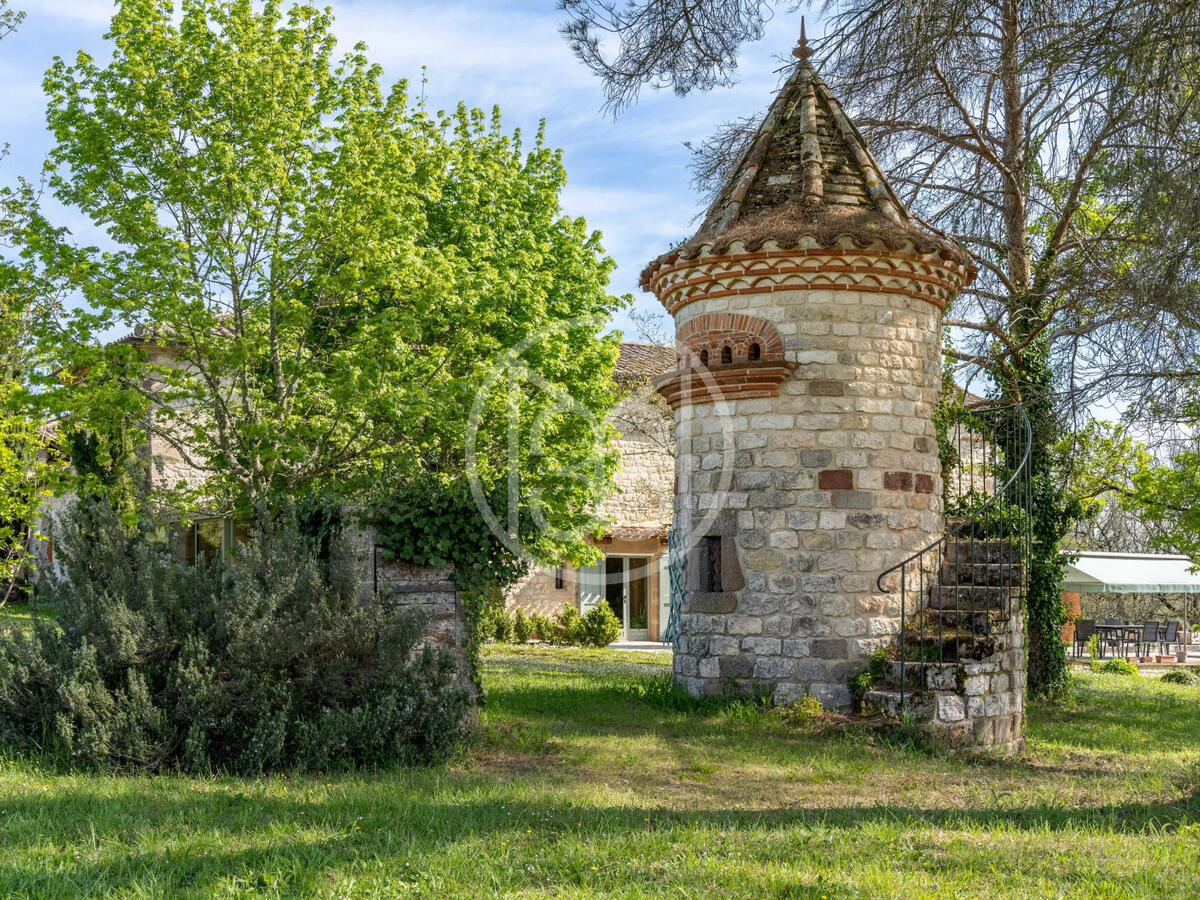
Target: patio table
[1122,633]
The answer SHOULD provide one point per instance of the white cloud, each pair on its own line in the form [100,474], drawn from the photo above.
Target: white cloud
[479,53]
[628,177]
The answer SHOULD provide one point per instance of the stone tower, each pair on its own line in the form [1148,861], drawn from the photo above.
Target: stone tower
[807,311]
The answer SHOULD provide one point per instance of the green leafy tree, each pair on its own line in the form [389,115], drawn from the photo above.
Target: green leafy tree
[25,469]
[318,276]
[1166,494]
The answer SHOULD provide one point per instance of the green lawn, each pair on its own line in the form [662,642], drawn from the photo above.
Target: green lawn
[577,788]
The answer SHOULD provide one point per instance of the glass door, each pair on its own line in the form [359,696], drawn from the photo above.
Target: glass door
[637,620]
[614,587]
[624,583]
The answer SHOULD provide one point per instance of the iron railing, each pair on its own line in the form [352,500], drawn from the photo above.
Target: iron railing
[676,568]
[957,592]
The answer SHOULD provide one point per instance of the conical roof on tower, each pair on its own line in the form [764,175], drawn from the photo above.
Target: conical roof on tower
[806,174]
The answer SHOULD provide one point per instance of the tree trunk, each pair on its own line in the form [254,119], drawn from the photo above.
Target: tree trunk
[1033,386]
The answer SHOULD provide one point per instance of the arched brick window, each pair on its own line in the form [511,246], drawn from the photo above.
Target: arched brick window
[731,338]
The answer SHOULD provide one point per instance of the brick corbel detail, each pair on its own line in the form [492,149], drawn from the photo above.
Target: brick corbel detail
[922,276]
[721,383]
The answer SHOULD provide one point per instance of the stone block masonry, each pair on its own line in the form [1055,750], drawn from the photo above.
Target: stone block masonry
[827,488]
[978,700]
[428,590]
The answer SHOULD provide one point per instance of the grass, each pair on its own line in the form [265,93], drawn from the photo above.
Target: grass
[577,788]
[16,614]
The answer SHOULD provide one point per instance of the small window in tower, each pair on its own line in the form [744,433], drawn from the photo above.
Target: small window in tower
[755,353]
[710,564]
[726,354]
[704,357]
[558,579]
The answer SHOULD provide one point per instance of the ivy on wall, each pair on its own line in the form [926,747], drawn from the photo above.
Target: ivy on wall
[434,521]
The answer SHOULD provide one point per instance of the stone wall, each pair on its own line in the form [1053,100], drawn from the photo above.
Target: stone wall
[538,591]
[808,495]
[645,478]
[640,505]
[964,704]
[429,590]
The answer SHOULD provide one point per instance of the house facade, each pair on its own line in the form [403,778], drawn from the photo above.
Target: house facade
[632,577]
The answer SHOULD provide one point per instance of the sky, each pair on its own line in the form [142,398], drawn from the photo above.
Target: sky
[628,176]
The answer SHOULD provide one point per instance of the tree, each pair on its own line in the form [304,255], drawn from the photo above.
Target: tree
[1013,127]
[317,276]
[9,19]
[1166,494]
[24,468]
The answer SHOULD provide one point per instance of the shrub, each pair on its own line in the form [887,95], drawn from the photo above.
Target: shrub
[1182,676]
[599,626]
[877,663]
[1118,667]
[805,711]
[522,627]
[543,627]
[568,626]
[502,626]
[267,662]
[1093,650]
[860,684]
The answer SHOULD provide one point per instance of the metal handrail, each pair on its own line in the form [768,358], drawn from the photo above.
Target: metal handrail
[923,591]
[992,501]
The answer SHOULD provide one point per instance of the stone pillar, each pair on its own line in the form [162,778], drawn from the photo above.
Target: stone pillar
[431,591]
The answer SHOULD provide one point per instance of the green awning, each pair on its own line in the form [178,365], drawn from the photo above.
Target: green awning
[1130,573]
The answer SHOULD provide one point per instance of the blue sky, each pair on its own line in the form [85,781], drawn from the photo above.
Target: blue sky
[628,177]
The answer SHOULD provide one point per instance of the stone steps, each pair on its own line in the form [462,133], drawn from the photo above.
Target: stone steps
[937,676]
[968,597]
[983,574]
[889,702]
[965,551]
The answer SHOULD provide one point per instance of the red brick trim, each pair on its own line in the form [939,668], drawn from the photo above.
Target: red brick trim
[713,332]
[927,278]
[722,383]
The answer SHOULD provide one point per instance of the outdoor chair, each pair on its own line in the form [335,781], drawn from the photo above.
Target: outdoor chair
[1149,638]
[1084,629]
[1114,639]
[1169,638]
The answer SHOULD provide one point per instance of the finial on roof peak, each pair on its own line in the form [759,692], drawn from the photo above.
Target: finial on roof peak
[802,51]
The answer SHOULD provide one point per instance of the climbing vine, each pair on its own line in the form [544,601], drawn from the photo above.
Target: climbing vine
[1046,513]
[1051,509]
[433,521]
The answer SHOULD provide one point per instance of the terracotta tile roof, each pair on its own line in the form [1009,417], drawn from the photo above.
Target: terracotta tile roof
[641,362]
[807,174]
